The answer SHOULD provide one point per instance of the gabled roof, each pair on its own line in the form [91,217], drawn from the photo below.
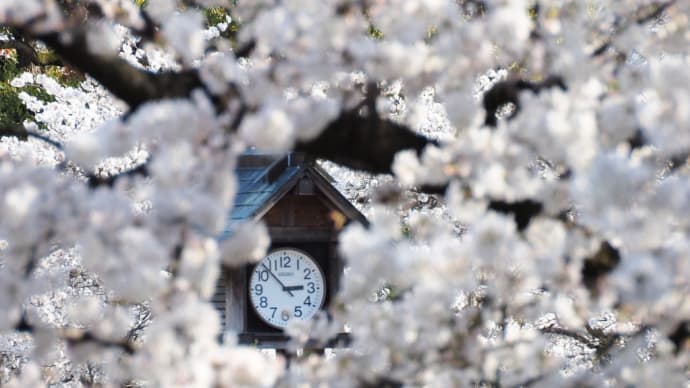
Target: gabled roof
[263,179]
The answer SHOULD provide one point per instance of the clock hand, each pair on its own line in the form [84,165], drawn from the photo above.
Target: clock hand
[294,288]
[278,280]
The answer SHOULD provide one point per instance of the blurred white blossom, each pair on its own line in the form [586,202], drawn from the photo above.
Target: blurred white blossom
[549,250]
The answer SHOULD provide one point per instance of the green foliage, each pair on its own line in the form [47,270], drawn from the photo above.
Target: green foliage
[375,32]
[405,229]
[217,15]
[12,109]
[8,69]
[389,293]
[214,16]
[431,33]
[64,76]
[38,92]
[47,56]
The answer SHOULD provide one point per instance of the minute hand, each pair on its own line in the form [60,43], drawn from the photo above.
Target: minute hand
[278,280]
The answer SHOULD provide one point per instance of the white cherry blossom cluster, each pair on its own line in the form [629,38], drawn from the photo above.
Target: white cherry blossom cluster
[558,256]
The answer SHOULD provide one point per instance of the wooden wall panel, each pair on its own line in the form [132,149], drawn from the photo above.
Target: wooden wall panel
[218,299]
[299,210]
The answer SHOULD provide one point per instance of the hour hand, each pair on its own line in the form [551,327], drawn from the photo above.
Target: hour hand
[293,288]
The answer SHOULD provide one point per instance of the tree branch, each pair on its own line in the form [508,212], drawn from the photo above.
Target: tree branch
[76,337]
[570,334]
[21,133]
[132,85]
[508,91]
[680,337]
[26,55]
[93,180]
[597,266]
[644,15]
[522,211]
[364,142]
[86,337]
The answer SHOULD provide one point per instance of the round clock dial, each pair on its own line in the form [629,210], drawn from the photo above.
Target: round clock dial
[287,284]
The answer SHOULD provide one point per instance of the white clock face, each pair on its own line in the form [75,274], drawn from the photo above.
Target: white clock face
[287,284]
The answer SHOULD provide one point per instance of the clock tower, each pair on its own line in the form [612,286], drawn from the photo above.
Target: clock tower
[304,213]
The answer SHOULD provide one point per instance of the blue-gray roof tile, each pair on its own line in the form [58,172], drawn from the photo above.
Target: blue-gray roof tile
[255,192]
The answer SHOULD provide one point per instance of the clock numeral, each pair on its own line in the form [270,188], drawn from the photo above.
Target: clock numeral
[263,276]
[307,274]
[280,263]
[311,288]
[298,263]
[307,301]
[273,312]
[263,302]
[285,315]
[259,289]
[298,311]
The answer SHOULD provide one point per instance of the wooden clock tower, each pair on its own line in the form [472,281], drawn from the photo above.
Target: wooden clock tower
[304,212]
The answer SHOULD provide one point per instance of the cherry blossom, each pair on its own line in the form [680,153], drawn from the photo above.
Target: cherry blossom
[527,198]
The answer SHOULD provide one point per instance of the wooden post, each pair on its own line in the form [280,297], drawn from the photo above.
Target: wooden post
[236,300]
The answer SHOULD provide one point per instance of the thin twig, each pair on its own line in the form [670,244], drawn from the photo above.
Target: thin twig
[20,132]
[568,333]
[658,9]
[45,139]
